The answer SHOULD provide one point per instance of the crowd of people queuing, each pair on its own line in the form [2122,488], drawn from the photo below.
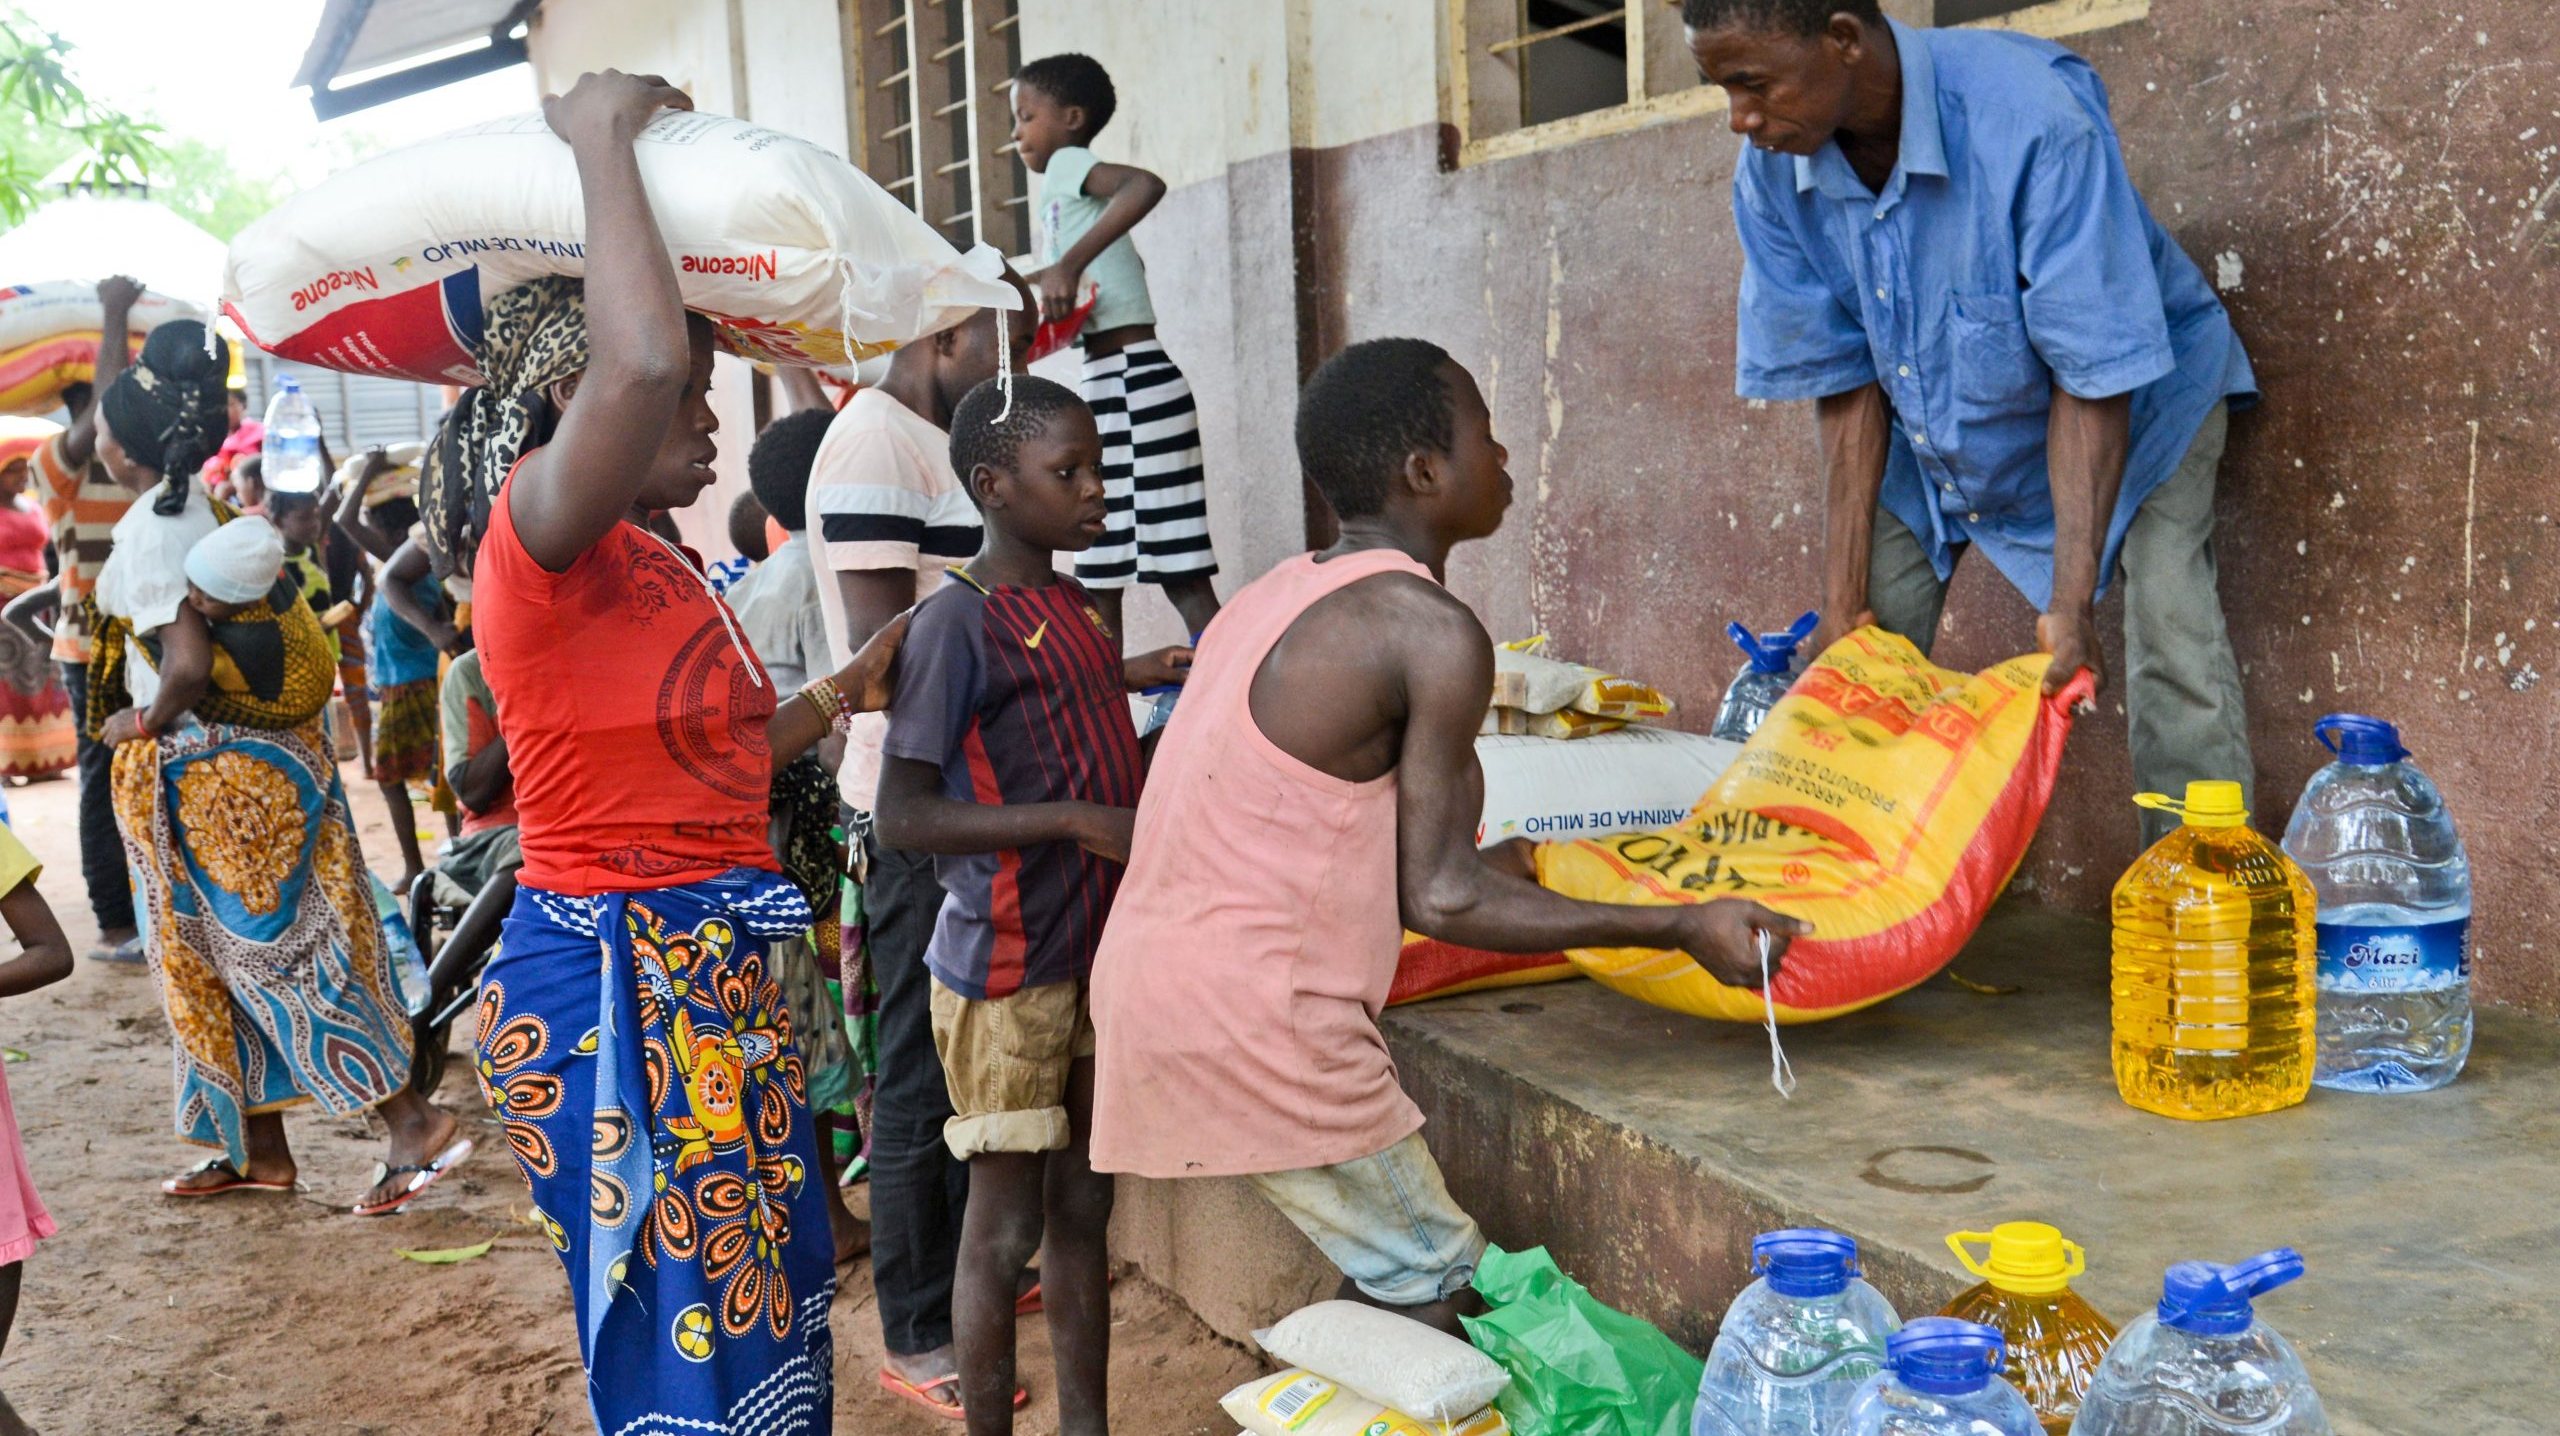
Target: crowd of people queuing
[883,879]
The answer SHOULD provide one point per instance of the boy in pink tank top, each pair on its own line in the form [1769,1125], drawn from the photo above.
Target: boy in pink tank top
[1316,794]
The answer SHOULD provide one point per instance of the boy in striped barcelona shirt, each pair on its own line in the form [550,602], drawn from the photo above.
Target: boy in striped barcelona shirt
[1011,756]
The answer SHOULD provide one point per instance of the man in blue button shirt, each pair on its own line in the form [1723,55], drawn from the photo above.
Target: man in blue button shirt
[1941,248]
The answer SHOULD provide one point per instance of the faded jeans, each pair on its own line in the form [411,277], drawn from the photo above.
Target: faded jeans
[2181,681]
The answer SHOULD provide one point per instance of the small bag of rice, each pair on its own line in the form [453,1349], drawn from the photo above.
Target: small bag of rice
[1393,1360]
[1301,1403]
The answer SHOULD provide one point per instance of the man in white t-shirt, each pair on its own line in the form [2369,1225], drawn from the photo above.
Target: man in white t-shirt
[888,518]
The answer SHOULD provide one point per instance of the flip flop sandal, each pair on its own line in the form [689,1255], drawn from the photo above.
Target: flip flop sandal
[1029,1303]
[236,1182]
[420,1178]
[947,1409]
[127,953]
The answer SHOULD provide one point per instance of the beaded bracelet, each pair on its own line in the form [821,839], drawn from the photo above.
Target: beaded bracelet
[828,697]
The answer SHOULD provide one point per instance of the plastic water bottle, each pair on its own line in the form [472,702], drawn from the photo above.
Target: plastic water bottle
[2204,1365]
[2055,1338]
[1797,1344]
[290,458]
[2211,993]
[2395,914]
[1943,1380]
[1762,681]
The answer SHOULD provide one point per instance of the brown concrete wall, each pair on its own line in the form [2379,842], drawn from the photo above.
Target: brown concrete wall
[2368,183]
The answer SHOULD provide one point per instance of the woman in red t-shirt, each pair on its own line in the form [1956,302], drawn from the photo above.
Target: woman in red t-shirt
[660,1114]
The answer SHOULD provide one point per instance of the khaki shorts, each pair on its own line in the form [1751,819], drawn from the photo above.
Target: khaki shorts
[1006,1061]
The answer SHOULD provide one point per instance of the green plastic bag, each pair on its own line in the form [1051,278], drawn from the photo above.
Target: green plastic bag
[1577,1368]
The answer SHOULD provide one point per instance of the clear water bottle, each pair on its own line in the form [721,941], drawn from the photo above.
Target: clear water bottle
[2395,914]
[1943,1380]
[2203,1364]
[1764,680]
[1797,1344]
[290,458]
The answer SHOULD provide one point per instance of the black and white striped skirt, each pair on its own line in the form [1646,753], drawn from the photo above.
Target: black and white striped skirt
[1151,473]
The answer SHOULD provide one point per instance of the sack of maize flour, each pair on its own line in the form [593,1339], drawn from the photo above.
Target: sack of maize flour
[1884,800]
[1629,781]
[794,255]
[49,338]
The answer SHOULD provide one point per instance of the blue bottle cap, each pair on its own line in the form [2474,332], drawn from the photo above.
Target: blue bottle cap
[2208,1300]
[1805,1261]
[1941,1356]
[2360,741]
[1773,652]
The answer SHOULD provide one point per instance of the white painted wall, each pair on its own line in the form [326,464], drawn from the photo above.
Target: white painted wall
[1201,85]
[795,69]
[1206,85]
[1374,68]
[687,41]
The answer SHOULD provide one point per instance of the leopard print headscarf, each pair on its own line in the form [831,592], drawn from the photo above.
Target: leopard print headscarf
[532,336]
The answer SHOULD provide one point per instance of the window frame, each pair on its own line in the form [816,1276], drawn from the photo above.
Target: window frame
[902,97]
[1462,49]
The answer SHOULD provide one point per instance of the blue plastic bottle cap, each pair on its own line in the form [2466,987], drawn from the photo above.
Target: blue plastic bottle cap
[1805,1261]
[1773,652]
[2360,741]
[1941,1356]
[2208,1300]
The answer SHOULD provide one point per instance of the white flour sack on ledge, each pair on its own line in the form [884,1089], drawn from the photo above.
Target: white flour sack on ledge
[794,254]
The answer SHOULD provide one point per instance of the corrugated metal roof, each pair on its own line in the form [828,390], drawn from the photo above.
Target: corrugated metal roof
[358,35]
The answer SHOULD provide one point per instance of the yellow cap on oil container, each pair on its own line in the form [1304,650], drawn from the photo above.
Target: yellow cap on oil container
[2026,1258]
[2210,803]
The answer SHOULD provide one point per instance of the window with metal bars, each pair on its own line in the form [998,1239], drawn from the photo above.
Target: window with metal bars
[933,115]
[1527,75]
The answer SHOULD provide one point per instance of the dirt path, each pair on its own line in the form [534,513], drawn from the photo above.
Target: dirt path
[280,1314]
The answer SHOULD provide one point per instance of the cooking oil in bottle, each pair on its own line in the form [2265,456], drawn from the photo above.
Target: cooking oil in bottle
[2213,985]
[2055,1338]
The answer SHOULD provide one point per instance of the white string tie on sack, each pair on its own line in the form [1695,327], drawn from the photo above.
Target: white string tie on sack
[1782,1073]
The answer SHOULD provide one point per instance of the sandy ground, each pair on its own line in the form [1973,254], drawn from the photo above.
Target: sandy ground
[274,1313]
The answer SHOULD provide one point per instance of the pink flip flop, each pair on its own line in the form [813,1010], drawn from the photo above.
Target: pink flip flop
[421,1178]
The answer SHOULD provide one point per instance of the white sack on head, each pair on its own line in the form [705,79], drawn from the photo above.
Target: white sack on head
[794,255]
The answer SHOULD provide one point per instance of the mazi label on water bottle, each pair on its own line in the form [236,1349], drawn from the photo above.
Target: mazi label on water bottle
[2395,959]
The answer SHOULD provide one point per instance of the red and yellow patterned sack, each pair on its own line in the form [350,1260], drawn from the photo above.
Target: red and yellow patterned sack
[1884,800]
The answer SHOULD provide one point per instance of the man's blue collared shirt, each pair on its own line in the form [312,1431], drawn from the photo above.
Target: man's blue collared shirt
[2006,255]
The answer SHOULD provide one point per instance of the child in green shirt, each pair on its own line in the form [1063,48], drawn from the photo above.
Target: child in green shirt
[1151,472]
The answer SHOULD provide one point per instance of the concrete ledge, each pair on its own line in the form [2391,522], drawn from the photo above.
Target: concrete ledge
[1645,1149]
